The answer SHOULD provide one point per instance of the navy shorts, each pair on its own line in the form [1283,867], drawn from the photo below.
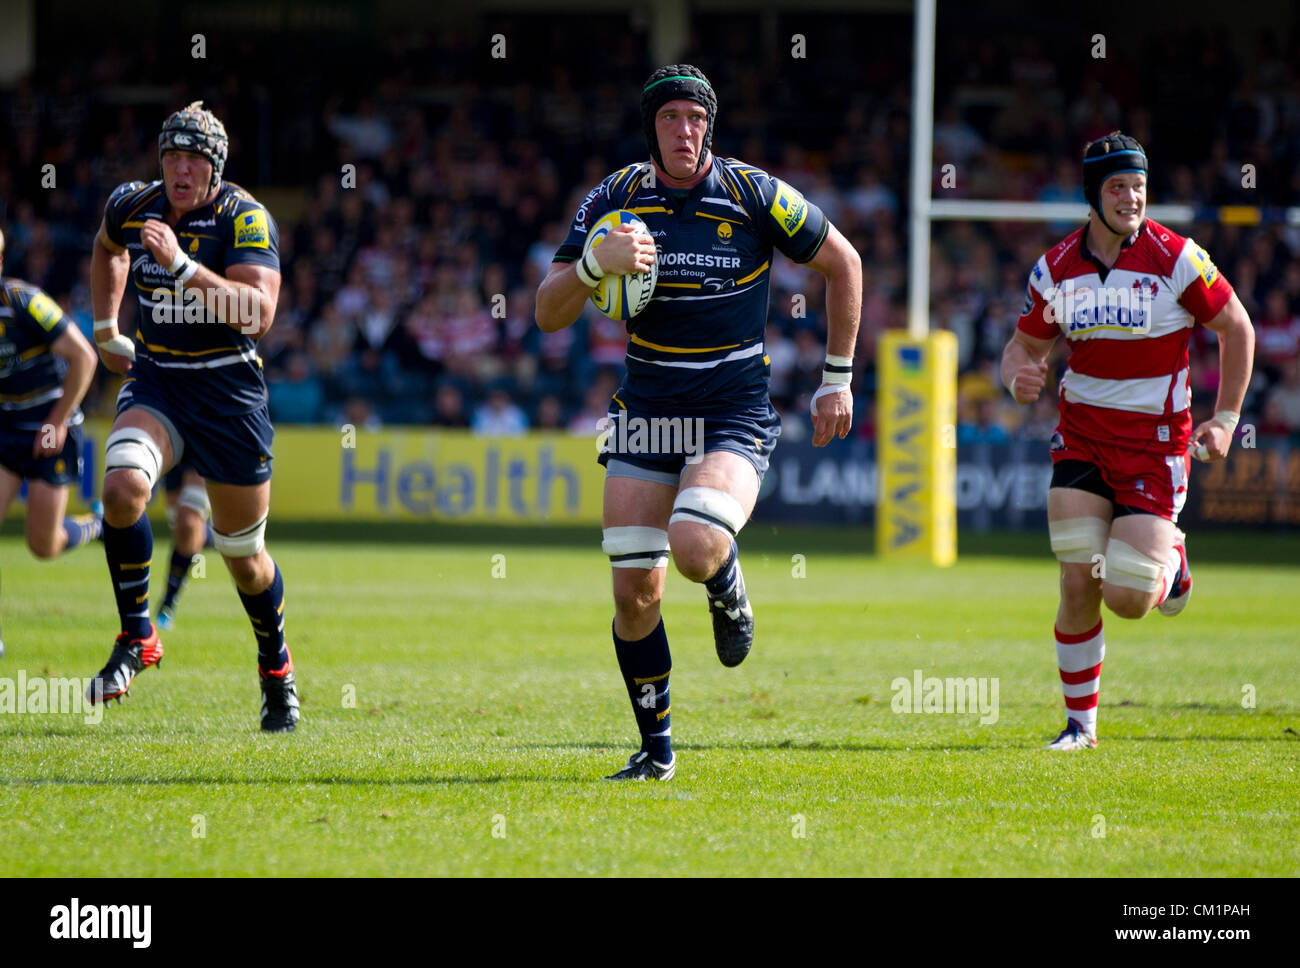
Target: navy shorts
[656,447]
[234,449]
[59,470]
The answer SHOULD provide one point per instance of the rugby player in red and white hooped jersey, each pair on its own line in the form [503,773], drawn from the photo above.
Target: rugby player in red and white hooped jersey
[1126,292]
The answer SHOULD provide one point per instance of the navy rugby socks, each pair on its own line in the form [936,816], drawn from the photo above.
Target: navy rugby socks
[129,551]
[645,665]
[266,612]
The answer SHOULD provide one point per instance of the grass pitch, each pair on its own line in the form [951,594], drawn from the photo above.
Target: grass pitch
[487,708]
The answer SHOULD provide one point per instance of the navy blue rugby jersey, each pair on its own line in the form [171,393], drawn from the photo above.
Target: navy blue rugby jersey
[698,347]
[189,355]
[31,376]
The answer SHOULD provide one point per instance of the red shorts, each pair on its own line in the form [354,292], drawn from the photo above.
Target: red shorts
[1152,482]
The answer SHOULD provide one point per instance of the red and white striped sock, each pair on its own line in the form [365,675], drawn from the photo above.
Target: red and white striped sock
[1079,659]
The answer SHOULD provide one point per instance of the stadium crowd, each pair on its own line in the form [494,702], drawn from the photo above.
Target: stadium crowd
[418,213]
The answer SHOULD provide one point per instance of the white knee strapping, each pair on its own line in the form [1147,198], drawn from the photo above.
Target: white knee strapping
[708,505]
[635,547]
[1078,539]
[133,449]
[195,497]
[241,544]
[1130,568]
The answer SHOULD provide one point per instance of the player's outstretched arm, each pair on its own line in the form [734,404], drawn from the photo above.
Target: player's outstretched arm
[1024,366]
[562,292]
[70,346]
[110,264]
[1211,440]
[840,263]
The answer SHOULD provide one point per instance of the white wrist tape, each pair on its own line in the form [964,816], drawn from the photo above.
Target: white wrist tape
[1227,419]
[589,272]
[119,345]
[837,369]
[103,324]
[183,267]
[1012,386]
[826,389]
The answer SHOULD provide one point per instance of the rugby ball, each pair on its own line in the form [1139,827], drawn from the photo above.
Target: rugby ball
[621,297]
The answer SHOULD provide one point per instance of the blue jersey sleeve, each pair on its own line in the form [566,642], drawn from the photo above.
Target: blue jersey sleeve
[792,224]
[251,235]
[115,212]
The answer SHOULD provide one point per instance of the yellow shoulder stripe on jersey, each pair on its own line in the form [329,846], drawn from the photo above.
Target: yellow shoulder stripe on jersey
[621,175]
[758,196]
[194,235]
[680,349]
[725,176]
[35,351]
[142,188]
[621,404]
[154,348]
[719,218]
[145,199]
[679,285]
[20,397]
[753,275]
[643,209]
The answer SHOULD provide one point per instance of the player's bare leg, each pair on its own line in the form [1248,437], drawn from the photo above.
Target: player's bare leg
[716,498]
[239,515]
[137,452]
[188,510]
[634,521]
[1079,522]
[10,485]
[1143,565]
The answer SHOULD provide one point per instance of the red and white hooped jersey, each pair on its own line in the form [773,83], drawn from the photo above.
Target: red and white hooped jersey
[1127,380]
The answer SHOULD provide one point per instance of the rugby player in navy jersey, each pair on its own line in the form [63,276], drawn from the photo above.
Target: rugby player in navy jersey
[40,416]
[203,256]
[696,354]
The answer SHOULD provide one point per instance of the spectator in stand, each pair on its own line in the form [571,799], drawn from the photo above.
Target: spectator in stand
[498,416]
[449,407]
[298,396]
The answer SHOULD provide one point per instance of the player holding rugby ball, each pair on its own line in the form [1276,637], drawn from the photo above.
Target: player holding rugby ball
[696,354]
